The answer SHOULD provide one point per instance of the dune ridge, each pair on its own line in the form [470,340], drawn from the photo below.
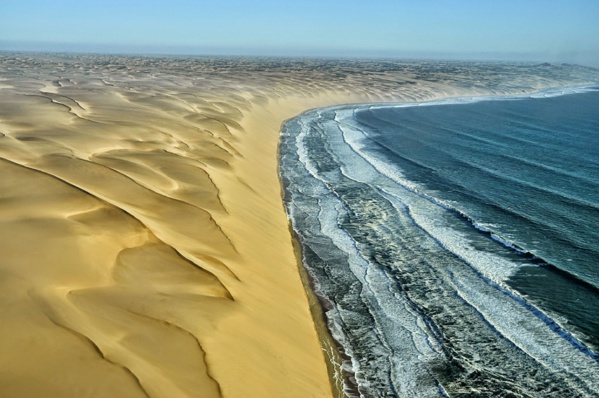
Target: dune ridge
[145,247]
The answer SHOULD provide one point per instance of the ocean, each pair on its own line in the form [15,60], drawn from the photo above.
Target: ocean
[454,244]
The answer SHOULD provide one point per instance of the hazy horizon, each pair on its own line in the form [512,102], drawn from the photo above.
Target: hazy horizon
[549,31]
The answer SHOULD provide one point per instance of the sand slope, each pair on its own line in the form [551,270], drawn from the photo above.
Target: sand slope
[145,250]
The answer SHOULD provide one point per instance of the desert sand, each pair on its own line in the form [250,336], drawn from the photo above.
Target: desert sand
[145,251]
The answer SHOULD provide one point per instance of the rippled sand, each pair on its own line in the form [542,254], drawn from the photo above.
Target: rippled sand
[145,250]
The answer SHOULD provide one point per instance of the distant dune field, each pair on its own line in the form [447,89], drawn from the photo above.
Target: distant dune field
[145,249]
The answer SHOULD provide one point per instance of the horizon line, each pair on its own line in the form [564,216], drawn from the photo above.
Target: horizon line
[316,53]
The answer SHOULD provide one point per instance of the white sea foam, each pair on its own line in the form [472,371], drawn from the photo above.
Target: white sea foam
[302,150]
[556,92]
[402,330]
[395,322]
[494,267]
[547,93]
[530,334]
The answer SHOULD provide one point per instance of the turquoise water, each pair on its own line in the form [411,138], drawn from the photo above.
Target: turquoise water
[455,243]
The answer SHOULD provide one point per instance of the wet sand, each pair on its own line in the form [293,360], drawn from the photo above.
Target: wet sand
[145,249]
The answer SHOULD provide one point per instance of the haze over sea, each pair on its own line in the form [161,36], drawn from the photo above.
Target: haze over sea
[454,243]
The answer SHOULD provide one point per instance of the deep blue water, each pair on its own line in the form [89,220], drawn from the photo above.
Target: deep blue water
[455,244]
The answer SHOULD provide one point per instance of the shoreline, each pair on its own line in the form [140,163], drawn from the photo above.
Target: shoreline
[146,228]
[331,348]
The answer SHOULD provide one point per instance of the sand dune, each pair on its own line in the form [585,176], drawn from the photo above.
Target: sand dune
[145,250]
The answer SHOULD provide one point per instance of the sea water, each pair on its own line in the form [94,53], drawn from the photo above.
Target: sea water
[454,244]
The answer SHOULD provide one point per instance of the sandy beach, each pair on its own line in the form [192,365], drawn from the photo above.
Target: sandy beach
[145,248]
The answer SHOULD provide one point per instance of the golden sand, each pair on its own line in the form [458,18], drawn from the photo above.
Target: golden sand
[145,248]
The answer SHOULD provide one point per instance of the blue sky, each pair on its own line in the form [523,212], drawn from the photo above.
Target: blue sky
[549,30]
